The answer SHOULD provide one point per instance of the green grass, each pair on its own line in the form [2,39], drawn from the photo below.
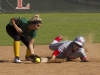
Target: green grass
[69,25]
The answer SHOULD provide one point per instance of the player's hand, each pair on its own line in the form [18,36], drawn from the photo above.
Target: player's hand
[19,30]
[84,61]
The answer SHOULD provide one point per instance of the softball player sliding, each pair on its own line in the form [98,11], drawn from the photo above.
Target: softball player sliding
[68,49]
[24,30]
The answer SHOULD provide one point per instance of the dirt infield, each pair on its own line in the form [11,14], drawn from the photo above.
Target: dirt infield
[75,67]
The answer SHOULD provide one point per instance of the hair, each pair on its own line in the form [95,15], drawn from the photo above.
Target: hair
[35,20]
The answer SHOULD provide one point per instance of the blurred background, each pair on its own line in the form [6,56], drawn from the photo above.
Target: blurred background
[9,6]
[69,18]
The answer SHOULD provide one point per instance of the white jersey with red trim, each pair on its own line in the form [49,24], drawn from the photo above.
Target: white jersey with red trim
[66,49]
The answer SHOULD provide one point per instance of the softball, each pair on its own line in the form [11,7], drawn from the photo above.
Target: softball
[38,60]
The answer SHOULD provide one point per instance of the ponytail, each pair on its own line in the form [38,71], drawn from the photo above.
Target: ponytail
[35,20]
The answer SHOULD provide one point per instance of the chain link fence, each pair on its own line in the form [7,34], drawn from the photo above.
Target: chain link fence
[26,6]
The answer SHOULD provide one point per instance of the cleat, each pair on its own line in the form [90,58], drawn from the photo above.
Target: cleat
[17,60]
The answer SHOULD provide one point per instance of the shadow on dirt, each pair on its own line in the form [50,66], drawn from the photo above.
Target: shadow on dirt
[6,61]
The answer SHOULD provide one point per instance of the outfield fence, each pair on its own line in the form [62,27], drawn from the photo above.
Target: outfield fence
[18,6]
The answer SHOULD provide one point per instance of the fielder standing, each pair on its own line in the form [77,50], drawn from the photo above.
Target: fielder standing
[68,49]
[24,30]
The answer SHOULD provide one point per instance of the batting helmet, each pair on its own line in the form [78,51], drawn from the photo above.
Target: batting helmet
[79,40]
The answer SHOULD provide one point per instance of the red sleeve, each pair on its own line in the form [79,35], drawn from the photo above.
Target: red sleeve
[56,52]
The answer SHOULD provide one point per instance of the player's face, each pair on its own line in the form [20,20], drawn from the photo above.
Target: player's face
[34,26]
[76,47]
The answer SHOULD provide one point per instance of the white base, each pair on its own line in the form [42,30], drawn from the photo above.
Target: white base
[43,59]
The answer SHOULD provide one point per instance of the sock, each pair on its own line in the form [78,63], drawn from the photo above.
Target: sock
[57,39]
[28,53]
[16,46]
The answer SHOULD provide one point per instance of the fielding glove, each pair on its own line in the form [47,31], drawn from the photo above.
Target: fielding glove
[33,57]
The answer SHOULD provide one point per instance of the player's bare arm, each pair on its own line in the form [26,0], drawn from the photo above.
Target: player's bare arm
[31,46]
[19,30]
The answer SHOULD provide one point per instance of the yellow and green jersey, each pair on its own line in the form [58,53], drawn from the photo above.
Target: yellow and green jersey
[23,24]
